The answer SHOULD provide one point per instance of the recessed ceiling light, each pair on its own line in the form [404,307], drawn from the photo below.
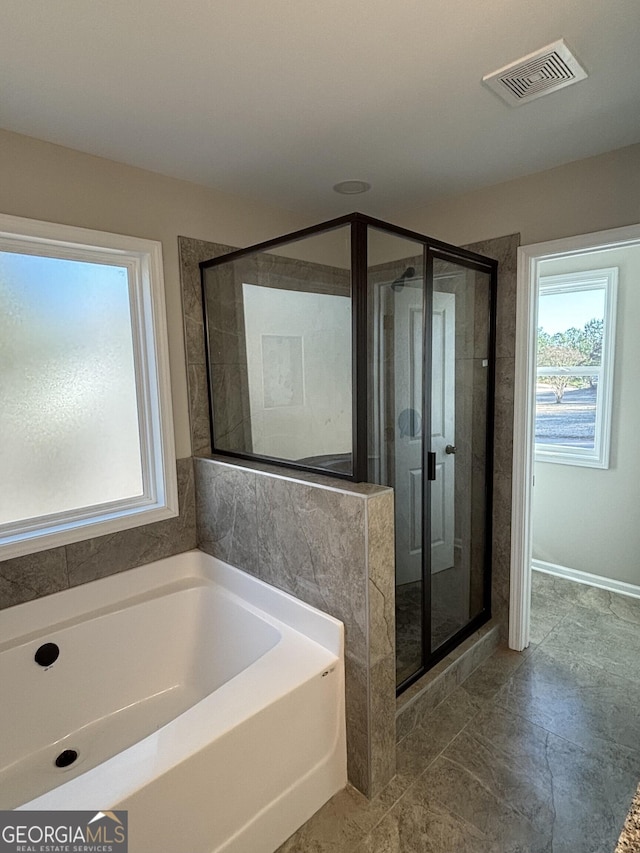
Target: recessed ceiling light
[352,187]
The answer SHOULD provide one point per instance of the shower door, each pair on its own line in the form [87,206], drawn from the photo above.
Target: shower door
[458,597]
[406,380]
[431,381]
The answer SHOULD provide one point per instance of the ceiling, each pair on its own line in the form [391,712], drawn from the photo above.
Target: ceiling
[280,100]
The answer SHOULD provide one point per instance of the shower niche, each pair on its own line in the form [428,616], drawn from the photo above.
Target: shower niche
[363,351]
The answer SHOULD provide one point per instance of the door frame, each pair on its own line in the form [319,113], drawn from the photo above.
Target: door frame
[529,259]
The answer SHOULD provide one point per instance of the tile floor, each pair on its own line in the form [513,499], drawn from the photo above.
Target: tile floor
[534,753]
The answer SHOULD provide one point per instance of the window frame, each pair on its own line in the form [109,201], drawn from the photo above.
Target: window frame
[143,260]
[600,279]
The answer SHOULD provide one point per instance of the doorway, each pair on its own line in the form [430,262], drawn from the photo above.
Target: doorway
[581,455]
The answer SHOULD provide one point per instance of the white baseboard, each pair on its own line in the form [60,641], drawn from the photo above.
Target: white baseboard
[609,584]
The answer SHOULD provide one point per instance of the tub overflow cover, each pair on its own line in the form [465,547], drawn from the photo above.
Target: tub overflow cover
[67,757]
[47,654]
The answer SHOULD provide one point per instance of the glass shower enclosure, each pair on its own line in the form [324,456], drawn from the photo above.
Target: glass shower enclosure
[366,352]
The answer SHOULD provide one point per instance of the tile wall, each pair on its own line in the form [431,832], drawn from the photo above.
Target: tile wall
[504,250]
[329,543]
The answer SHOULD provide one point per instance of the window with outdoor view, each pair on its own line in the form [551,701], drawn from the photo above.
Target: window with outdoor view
[575,354]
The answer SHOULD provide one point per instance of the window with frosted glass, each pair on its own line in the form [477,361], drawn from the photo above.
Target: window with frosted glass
[68,387]
[80,419]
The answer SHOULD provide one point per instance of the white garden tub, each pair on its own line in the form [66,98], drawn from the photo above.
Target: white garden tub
[205,702]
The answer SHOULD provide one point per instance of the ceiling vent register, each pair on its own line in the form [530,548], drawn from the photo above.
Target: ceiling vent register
[551,68]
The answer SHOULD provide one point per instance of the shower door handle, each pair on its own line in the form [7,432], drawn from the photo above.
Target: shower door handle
[431,466]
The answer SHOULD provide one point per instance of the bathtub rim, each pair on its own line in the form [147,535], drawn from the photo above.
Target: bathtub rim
[162,577]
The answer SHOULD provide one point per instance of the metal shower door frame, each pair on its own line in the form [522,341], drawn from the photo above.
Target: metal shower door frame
[432,250]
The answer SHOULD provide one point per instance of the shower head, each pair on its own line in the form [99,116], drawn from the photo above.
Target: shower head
[398,284]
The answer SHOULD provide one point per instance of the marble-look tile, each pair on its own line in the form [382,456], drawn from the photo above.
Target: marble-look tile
[553,588]
[357,722]
[381,568]
[332,829]
[501,562]
[25,578]
[382,721]
[290,475]
[621,607]
[185,526]
[552,599]
[419,824]
[199,417]
[232,427]
[598,638]
[226,514]
[105,555]
[434,732]
[226,337]
[502,249]
[421,698]
[410,715]
[191,252]
[478,653]
[573,699]
[311,542]
[406,721]
[505,251]
[276,270]
[416,752]
[494,673]
[503,766]
[503,427]
[544,619]
[194,343]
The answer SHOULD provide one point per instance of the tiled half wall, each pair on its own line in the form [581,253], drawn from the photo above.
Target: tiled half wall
[329,543]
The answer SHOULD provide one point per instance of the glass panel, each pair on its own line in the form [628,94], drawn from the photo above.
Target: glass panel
[396,294]
[460,375]
[571,320]
[67,385]
[571,420]
[280,352]
[570,327]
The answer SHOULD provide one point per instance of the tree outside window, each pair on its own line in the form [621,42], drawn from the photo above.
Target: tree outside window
[575,347]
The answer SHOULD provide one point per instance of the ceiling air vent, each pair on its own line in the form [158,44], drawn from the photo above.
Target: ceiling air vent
[551,68]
